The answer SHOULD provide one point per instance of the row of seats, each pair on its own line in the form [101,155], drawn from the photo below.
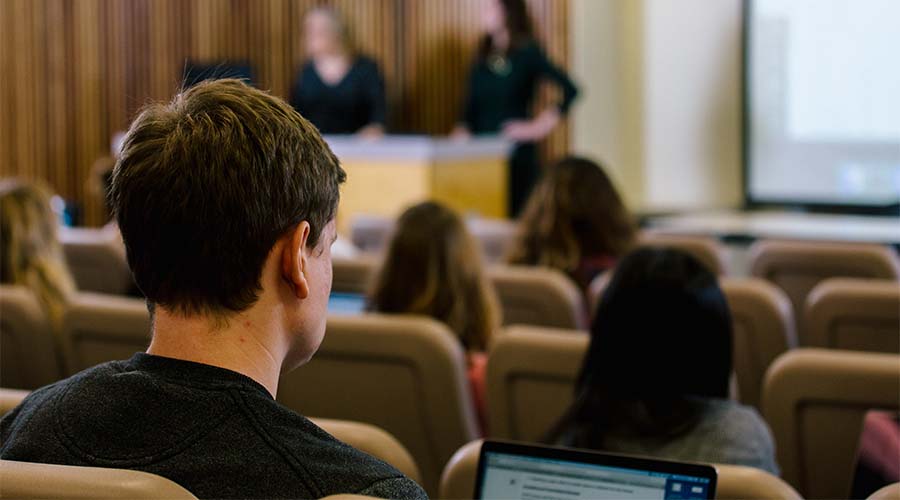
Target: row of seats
[25,480]
[407,376]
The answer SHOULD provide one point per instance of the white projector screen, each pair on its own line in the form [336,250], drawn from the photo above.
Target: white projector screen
[822,91]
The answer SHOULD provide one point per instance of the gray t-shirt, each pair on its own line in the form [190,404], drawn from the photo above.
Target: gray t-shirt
[727,433]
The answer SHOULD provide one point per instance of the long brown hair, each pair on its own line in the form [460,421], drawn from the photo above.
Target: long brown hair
[574,213]
[30,253]
[433,267]
[518,25]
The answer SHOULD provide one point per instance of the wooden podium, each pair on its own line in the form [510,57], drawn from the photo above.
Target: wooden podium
[385,176]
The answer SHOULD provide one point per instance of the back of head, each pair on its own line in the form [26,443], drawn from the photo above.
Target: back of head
[433,267]
[574,213]
[30,253]
[661,340]
[206,184]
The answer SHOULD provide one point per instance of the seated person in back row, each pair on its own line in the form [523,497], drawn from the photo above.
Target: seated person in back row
[226,200]
[655,379]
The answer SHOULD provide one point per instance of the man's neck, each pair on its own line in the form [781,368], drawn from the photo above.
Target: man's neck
[244,343]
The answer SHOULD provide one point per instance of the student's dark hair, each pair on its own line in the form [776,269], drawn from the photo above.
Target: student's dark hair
[518,24]
[206,184]
[661,343]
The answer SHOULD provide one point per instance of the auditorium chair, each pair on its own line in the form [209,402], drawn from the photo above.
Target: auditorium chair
[531,376]
[354,275]
[854,314]
[815,401]
[403,374]
[100,328]
[538,296]
[735,482]
[705,249]
[96,258]
[763,329]
[23,480]
[374,441]
[797,267]
[29,349]
[10,398]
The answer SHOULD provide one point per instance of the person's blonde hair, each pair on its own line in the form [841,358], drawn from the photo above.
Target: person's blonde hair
[30,253]
[574,213]
[434,267]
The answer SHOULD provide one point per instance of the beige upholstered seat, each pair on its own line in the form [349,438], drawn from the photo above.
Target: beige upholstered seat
[404,374]
[374,441]
[815,400]
[97,260]
[797,267]
[707,250]
[29,357]
[531,374]
[854,314]
[10,398]
[889,492]
[763,326]
[538,296]
[735,482]
[100,328]
[23,480]
[354,275]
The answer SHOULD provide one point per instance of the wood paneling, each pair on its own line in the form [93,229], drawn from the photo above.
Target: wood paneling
[77,71]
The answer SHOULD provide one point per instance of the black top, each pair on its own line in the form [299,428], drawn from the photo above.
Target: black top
[217,433]
[344,108]
[507,91]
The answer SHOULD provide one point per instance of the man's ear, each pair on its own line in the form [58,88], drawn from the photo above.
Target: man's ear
[293,260]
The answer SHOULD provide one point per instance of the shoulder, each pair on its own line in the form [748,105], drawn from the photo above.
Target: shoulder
[334,466]
[740,434]
[365,64]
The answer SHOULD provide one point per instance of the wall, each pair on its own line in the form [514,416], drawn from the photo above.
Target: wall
[76,71]
[662,98]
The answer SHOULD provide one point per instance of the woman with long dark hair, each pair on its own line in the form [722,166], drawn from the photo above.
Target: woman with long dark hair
[502,84]
[655,380]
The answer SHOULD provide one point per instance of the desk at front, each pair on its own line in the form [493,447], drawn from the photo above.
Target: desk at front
[387,175]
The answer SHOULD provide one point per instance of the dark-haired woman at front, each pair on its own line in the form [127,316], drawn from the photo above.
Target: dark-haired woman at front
[502,84]
[655,379]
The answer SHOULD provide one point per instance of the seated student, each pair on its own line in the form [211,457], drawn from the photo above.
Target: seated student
[30,253]
[433,267]
[226,200]
[655,379]
[574,222]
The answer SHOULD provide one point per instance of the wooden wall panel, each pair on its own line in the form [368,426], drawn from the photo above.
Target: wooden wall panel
[77,71]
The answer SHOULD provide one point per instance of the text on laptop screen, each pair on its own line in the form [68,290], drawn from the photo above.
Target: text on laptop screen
[533,478]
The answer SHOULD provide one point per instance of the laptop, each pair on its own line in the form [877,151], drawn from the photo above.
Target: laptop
[517,471]
[343,303]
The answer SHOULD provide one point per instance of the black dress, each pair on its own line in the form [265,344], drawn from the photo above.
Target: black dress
[345,107]
[499,94]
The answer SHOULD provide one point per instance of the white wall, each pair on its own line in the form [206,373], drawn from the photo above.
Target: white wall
[661,98]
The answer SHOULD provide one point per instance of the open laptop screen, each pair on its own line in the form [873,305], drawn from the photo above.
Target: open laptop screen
[513,471]
[342,303]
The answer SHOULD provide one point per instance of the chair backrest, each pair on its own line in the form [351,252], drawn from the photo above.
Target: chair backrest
[10,398]
[889,492]
[404,374]
[23,480]
[96,258]
[29,351]
[763,326]
[100,328]
[538,296]
[815,400]
[854,314]
[797,267]
[374,441]
[354,275]
[735,481]
[705,249]
[531,374]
